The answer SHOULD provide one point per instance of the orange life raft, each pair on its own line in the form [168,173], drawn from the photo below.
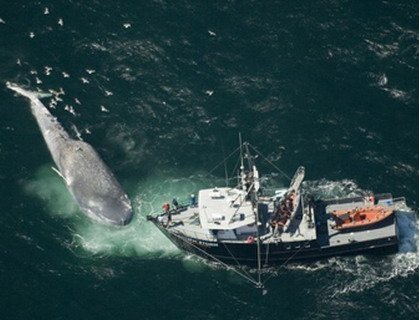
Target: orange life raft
[360,217]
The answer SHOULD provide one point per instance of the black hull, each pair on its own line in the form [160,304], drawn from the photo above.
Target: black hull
[278,253]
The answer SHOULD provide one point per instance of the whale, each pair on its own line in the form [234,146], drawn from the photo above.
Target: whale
[89,180]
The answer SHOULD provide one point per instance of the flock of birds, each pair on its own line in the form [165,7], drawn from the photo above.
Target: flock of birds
[57,95]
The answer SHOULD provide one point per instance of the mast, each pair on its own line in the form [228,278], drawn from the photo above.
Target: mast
[256,209]
[225,165]
[252,180]
[255,202]
[242,174]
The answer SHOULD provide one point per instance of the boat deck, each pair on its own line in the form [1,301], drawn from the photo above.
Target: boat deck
[328,236]
[299,229]
[187,222]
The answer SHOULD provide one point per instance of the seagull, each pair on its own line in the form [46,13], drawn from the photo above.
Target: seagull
[90,71]
[78,134]
[46,10]
[48,70]
[53,102]
[108,93]
[2,21]
[77,101]
[212,33]
[18,62]
[33,72]
[31,35]
[70,109]
[209,93]
[65,75]
[87,131]
[103,109]
[56,93]
[60,22]
[84,80]
[127,25]
[382,81]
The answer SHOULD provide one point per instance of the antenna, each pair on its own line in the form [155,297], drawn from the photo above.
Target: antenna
[225,164]
[241,151]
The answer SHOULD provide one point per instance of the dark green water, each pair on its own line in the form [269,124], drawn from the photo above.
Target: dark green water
[331,85]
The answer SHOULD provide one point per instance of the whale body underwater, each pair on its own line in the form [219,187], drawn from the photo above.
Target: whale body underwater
[89,180]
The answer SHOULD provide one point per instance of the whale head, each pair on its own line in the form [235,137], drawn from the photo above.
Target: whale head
[109,210]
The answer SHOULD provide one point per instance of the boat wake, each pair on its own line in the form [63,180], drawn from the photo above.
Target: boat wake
[349,275]
[360,273]
[326,189]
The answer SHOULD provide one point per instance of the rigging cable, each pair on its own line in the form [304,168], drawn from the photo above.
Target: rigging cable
[235,168]
[237,262]
[270,162]
[217,260]
[286,261]
[267,254]
[223,161]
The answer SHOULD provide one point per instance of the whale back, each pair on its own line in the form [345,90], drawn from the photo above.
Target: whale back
[88,179]
[54,134]
[93,184]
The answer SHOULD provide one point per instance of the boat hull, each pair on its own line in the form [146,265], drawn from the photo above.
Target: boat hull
[279,252]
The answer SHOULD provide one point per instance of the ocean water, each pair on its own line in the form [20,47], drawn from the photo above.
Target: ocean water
[161,89]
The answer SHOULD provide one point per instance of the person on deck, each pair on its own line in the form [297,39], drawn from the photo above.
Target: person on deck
[166,209]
